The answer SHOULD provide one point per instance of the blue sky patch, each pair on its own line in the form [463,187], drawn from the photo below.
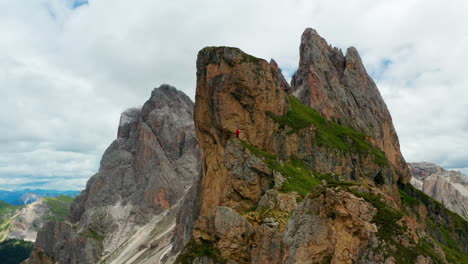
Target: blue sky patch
[78,3]
[74,4]
[383,66]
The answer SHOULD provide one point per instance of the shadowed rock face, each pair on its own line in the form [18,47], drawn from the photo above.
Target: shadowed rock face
[339,87]
[448,187]
[143,175]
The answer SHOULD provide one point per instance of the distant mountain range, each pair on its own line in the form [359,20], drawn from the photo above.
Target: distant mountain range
[23,221]
[26,196]
[19,225]
[446,186]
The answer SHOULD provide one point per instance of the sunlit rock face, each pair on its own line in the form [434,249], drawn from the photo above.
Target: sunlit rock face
[303,182]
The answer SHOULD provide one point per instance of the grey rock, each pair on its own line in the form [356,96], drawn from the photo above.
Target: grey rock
[339,87]
[67,245]
[142,177]
[273,199]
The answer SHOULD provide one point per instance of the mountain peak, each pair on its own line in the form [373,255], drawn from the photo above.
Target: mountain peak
[142,176]
[340,89]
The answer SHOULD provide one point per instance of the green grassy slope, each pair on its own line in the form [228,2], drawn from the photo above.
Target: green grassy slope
[60,206]
[327,133]
[6,210]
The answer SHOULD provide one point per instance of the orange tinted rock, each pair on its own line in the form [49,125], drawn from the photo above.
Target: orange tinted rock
[339,87]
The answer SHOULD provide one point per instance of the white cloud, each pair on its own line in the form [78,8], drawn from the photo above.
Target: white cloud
[66,74]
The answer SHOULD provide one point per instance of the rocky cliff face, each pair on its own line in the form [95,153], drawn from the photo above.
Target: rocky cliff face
[339,87]
[127,211]
[448,187]
[306,181]
[300,184]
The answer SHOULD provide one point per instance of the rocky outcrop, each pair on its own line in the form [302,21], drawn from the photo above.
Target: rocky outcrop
[68,246]
[27,220]
[335,225]
[339,87]
[127,211]
[227,101]
[299,184]
[236,91]
[448,187]
[25,223]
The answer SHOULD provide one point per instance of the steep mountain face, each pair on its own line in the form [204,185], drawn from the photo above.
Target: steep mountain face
[127,211]
[339,87]
[305,181]
[301,184]
[23,222]
[448,187]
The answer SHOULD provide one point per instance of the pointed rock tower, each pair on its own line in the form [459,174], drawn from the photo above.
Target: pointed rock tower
[339,87]
[308,180]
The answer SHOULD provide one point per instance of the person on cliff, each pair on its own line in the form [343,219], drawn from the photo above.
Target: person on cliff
[237,133]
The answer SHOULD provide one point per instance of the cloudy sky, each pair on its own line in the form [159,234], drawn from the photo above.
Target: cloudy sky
[69,67]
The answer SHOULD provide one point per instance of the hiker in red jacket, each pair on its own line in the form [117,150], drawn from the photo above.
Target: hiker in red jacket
[237,133]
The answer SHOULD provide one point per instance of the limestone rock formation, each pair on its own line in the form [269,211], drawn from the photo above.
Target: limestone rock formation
[325,184]
[339,87]
[448,187]
[127,211]
[317,181]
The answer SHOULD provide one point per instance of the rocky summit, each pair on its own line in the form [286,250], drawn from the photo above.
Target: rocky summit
[315,174]
[339,88]
[258,171]
[129,206]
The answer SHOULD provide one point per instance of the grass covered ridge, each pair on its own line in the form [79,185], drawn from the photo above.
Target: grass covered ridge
[298,176]
[7,210]
[390,231]
[327,133]
[448,229]
[59,206]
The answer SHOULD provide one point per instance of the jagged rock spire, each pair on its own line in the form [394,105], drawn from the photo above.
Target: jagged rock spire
[339,87]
